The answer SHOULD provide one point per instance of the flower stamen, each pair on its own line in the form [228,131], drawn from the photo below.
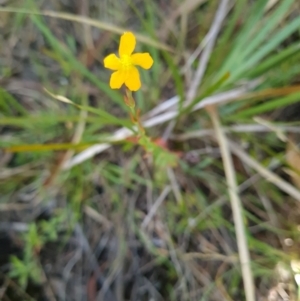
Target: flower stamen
[126,62]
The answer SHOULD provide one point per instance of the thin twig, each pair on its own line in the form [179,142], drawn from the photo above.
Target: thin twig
[48,289]
[96,216]
[209,256]
[202,45]
[267,174]
[185,8]
[212,35]
[175,186]
[236,206]
[155,207]
[69,153]
[240,128]
[209,40]
[93,262]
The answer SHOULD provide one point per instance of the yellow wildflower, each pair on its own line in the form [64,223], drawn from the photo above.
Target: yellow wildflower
[124,66]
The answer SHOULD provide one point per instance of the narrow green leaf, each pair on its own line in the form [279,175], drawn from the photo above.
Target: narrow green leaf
[269,24]
[267,48]
[275,60]
[9,103]
[270,105]
[243,37]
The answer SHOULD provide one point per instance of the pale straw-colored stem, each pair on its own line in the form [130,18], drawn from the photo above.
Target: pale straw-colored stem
[263,171]
[236,205]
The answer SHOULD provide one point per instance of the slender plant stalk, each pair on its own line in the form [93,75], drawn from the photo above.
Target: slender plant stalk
[267,174]
[236,206]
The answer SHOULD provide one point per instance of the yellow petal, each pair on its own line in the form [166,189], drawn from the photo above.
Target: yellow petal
[143,60]
[117,79]
[127,44]
[112,62]
[132,80]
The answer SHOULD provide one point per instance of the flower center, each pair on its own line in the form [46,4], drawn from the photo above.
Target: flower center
[126,62]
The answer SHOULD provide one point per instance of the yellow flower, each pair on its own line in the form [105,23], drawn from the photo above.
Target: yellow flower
[124,66]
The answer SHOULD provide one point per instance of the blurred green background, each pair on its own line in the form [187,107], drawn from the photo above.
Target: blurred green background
[83,217]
